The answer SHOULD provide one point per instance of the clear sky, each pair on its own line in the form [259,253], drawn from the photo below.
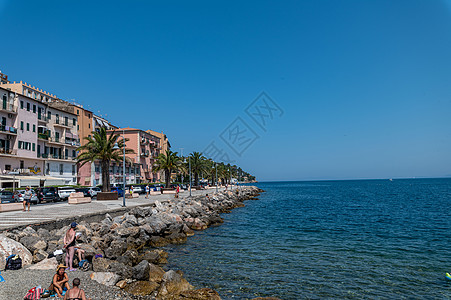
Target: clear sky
[363,87]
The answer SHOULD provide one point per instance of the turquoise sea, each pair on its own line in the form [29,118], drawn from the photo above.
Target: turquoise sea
[365,239]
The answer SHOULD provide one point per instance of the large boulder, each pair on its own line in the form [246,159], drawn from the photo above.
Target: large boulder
[141,271]
[125,232]
[172,285]
[46,264]
[33,242]
[39,255]
[100,264]
[200,294]
[116,249]
[155,273]
[8,247]
[124,271]
[132,255]
[106,278]
[155,256]
[141,288]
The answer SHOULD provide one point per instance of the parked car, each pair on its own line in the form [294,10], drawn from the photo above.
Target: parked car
[139,189]
[93,191]
[64,192]
[85,191]
[18,197]
[48,194]
[7,197]
[120,192]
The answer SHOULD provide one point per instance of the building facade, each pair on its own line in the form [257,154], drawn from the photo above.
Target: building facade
[35,138]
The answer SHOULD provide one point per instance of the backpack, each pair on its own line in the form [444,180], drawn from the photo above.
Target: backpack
[34,293]
[13,262]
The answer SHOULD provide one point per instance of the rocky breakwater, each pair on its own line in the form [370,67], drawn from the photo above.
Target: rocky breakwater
[123,251]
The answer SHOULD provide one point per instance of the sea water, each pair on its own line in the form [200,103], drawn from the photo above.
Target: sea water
[372,239]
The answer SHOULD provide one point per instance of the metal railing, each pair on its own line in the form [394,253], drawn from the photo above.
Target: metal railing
[8,129]
[8,151]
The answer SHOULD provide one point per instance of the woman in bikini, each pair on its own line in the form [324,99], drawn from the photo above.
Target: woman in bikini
[76,293]
[60,281]
[69,244]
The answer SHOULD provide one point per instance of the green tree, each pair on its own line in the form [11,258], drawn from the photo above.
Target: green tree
[168,162]
[99,147]
[198,165]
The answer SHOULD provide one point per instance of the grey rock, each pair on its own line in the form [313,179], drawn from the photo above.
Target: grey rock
[117,248]
[141,271]
[124,271]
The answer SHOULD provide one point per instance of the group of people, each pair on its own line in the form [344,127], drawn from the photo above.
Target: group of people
[60,281]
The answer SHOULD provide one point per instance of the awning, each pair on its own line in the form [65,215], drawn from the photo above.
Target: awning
[68,135]
[54,181]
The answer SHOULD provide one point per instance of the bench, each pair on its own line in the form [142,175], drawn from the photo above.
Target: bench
[11,206]
[78,198]
[134,195]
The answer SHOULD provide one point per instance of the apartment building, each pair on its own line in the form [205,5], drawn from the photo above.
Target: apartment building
[37,141]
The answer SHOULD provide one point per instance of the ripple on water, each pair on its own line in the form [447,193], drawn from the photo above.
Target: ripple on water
[343,239]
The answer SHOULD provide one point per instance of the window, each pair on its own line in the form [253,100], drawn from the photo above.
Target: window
[73,169]
[78,127]
[89,125]
[20,145]
[34,147]
[7,167]
[34,108]
[28,126]
[21,125]
[28,106]
[49,115]
[78,112]
[61,169]
[34,128]
[57,118]
[47,169]
[66,153]
[73,153]
[21,164]
[66,121]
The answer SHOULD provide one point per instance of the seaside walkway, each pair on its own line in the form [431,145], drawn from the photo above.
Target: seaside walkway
[54,211]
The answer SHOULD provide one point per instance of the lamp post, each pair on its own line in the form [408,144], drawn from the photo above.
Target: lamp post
[189,163]
[181,154]
[14,173]
[116,147]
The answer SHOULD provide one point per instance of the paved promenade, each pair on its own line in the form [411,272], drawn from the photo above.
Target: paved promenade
[54,211]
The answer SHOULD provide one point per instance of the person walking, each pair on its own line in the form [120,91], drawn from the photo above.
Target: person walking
[75,293]
[27,198]
[69,245]
[147,191]
[177,191]
[131,191]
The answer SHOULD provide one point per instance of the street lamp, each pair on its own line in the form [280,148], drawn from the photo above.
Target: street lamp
[14,173]
[189,162]
[116,147]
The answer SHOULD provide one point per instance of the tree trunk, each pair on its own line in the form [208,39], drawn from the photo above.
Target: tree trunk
[196,179]
[168,178]
[105,165]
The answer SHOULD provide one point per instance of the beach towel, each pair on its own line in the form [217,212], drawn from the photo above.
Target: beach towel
[34,293]
[1,278]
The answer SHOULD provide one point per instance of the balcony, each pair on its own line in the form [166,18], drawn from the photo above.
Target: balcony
[42,119]
[145,153]
[8,129]
[7,152]
[8,108]
[43,136]
[55,140]
[72,142]
[43,155]
[62,124]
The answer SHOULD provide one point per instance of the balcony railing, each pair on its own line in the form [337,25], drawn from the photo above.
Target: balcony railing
[72,142]
[54,139]
[8,129]
[43,136]
[8,151]
[44,155]
[8,108]
[42,118]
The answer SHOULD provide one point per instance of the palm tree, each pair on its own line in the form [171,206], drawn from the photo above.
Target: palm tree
[100,147]
[198,165]
[168,162]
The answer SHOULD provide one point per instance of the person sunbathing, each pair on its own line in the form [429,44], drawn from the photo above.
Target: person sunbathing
[76,293]
[60,281]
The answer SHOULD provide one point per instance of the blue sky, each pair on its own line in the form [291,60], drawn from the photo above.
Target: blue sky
[364,85]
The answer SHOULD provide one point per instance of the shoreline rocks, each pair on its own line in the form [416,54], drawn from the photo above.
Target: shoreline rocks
[115,247]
